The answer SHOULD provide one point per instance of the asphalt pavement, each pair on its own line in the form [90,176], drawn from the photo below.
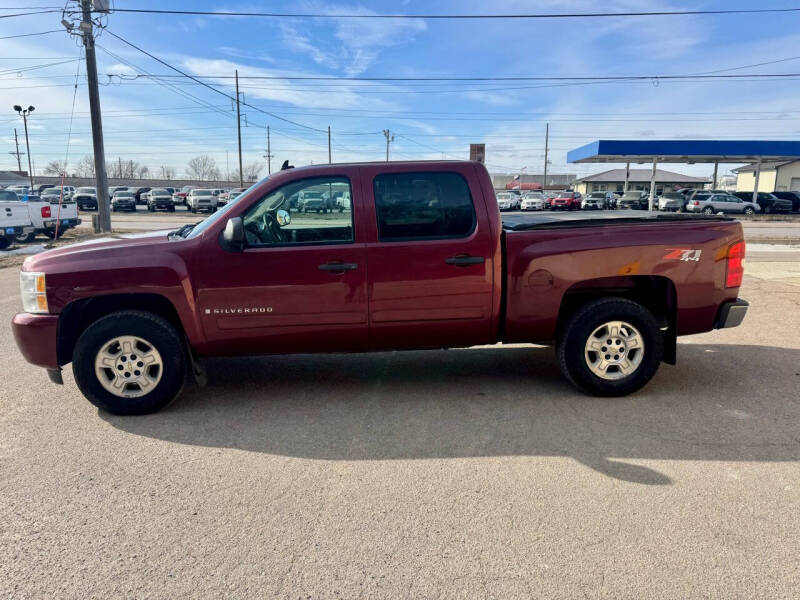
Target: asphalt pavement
[450,474]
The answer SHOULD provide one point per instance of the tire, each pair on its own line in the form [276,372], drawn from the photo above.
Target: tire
[25,238]
[574,355]
[749,211]
[708,210]
[146,327]
[51,233]
[171,209]
[4,242]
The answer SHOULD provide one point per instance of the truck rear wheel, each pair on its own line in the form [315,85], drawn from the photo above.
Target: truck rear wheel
[130,363]
[610,347]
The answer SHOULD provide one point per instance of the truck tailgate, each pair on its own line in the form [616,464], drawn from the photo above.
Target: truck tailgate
[14,214]
[549,256]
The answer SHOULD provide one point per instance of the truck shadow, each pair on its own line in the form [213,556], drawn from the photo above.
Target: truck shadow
[722,402]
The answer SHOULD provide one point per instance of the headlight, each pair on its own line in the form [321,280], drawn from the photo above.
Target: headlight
[34,292]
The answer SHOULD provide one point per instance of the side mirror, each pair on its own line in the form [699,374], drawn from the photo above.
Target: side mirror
[233,236]
[283,218]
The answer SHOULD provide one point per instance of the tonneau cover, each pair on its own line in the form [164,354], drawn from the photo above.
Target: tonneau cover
[556,220]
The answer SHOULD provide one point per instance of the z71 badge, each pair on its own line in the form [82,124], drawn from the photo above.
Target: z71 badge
[684,254]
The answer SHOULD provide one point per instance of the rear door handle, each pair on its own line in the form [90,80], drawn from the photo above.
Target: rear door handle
[465,260]
[338,267]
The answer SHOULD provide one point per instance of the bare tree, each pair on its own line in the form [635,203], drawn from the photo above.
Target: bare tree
[167,172]
[85,166]
[142,171]
[202,167]
[55,167]
[251,172]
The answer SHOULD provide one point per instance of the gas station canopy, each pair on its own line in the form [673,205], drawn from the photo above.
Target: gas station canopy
[687,152]
[684,151]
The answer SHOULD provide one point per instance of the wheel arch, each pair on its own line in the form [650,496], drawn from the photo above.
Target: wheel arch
[656,293]
[80,314]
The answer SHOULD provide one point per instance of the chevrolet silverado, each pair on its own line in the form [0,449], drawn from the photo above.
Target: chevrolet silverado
[419,258]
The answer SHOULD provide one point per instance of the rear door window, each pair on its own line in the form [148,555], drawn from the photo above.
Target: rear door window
[423,206]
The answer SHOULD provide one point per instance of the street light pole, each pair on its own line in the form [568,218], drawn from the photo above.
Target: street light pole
[25,113]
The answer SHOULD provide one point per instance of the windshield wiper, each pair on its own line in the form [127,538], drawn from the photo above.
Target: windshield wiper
[182,232]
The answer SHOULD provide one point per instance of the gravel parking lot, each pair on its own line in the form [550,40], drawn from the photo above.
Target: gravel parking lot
[444,474]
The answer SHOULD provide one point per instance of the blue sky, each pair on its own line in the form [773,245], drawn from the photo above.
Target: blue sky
[159,124]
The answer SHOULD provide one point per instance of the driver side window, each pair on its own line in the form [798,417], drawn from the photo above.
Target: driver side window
[320,211]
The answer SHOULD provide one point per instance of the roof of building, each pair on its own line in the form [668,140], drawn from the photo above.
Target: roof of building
[12,176]
[765,166]
[685,151]
[640,176]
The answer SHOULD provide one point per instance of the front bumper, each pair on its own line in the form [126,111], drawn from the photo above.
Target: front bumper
[36,337]
[731,314]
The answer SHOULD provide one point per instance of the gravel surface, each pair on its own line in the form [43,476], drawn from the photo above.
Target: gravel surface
[449,474]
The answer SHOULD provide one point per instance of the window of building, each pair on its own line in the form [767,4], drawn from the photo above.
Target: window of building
[423,206]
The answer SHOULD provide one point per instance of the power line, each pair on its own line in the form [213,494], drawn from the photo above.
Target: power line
[301,125]
[27,14]
[452,16]
[9,37]
[489,78]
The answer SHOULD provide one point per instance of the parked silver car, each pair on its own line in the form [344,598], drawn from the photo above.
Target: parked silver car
[598,200]
[532,201]
[711,204]
[671,201]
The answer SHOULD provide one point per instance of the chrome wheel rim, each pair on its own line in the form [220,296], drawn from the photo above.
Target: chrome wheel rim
[614,350]
[128,366]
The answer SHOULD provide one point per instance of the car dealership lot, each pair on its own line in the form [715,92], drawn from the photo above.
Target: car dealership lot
[459,473]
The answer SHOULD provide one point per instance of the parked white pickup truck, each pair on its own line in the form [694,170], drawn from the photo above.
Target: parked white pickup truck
[14,221]
[43,214]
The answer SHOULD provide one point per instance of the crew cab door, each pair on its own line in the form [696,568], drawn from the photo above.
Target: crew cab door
[430,257]
[296,287]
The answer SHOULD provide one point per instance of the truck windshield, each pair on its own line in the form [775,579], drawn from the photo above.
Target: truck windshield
[222,213]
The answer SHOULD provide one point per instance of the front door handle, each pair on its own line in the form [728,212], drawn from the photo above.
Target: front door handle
[338,267]
[464,260]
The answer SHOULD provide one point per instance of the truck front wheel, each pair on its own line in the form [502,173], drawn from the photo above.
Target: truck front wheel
[130,363]
[610,347]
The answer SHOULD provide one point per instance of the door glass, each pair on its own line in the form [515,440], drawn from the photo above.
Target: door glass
[320,211]
[423,206]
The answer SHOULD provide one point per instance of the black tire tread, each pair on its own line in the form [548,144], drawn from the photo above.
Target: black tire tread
[135,406]
[617,308]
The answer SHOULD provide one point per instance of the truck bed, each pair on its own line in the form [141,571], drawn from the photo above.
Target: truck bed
[558,220]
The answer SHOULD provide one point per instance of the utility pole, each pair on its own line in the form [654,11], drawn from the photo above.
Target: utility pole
[389,138]
[546,148]
[103,212]
[269,155]
[17,153]
[329,144]
[239,130]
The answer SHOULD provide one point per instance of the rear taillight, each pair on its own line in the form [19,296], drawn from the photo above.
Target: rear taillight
[735,265]
[696,203]
[46,212]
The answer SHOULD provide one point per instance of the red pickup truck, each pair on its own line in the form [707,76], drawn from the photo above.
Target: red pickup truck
[418,258]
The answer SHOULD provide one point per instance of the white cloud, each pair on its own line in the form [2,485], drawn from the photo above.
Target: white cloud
[359,42]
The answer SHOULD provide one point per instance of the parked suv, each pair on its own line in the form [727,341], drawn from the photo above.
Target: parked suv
[86,198]
[768,202]
[671,202]
[710,204]
[138,193]
[793,197]
[508,201]
[160,199]
[638,200]
[567,201]
[123,200]
[601,200]
[198,200]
